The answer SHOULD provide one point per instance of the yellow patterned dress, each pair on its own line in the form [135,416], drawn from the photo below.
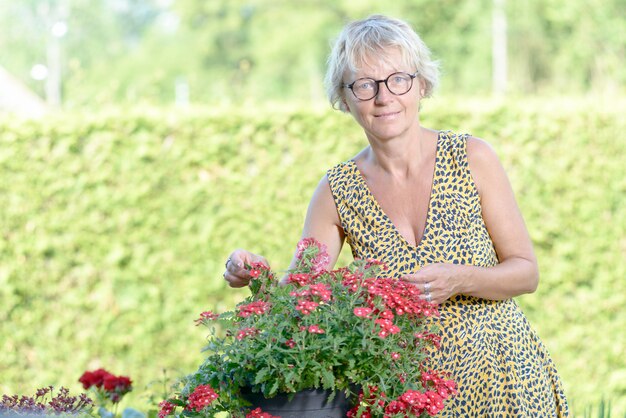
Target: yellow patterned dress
[499,363]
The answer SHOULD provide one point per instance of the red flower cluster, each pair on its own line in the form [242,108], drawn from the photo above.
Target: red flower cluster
[114,387]
[95,378]
[166,409]
[398,296]
[350,280]
[429,336]
[386,327]
[256,269]
[444,387]
[306,307]
[322,290]
[206,316]
[315,329]
[373,262]
[302,279]
[373,398]
[258,413]
[201,397]
[254,308]
[412,402]
[247,332]
[362,312]
[319,291]
[321,260]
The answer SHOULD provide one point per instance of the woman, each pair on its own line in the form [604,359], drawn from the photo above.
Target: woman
[438,209]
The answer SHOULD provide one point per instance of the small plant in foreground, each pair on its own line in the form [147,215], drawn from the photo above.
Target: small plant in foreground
[46,402]
[109,390]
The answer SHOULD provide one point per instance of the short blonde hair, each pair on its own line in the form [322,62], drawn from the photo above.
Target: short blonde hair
[375,35]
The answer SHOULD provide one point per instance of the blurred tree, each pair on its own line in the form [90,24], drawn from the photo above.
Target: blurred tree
[232,51]
[568,46]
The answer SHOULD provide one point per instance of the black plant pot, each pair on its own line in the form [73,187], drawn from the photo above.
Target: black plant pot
[311,403]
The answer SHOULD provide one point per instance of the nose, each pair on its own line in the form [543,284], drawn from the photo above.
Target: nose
[383,95]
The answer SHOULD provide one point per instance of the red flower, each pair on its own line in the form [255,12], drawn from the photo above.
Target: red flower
[301,279]
[247,332]
[114,387]
[362,312]
[352,413]
[256,269]
[166,409]
[254,308]
[314,329]
[206,316]
[306,307]
[119,384]
[321,259]
[258,413]
[322,290]
[290,343]
[395,407]
[201,397]
[94,378]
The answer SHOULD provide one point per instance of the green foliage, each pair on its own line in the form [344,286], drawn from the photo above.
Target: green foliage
[126,51]
[115,228]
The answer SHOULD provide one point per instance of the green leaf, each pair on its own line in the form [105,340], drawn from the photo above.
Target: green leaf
[261,376]
[328,379]
[274,388]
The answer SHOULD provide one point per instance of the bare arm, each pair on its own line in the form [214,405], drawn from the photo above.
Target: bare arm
[322,223]
[517,273]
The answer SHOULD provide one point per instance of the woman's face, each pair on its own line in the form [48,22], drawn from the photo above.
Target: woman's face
[387,115]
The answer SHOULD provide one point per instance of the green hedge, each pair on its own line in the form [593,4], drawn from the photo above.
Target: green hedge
[115,228]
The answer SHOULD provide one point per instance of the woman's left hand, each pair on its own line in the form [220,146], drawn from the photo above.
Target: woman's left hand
[439,280]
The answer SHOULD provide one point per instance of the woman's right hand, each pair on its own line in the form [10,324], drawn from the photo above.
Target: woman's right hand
[236,274]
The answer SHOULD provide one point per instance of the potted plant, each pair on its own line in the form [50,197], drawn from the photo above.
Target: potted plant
[345,331]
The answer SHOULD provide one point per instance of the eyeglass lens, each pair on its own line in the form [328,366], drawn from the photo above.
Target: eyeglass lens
[367,88]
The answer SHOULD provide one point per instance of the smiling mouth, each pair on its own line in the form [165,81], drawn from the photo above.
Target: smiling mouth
[386,114]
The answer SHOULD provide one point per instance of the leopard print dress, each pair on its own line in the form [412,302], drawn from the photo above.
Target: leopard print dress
[489,348]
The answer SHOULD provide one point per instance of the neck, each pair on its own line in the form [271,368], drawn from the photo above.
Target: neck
[398,156]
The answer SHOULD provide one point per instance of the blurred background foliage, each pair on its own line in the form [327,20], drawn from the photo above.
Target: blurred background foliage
[119,211]
[224,52]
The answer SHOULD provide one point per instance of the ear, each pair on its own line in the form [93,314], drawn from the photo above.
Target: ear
[422,88]
[345,104]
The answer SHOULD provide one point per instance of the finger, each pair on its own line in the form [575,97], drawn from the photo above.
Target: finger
[259,259]
[235,281]
[429,297]
[237,261]
[416,279]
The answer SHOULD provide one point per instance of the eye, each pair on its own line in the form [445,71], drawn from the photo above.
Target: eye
[364,84]
[399,79]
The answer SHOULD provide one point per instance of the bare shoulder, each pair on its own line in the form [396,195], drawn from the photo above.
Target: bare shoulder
[480,151]
[484,163]
[323,202]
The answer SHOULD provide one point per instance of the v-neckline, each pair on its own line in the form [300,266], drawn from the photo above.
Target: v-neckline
[387,219]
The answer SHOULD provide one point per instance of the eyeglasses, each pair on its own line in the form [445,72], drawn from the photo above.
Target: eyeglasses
[367,88]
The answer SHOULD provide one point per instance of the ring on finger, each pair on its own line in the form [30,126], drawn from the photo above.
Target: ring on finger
[226,264]
[429,297]
[427,287]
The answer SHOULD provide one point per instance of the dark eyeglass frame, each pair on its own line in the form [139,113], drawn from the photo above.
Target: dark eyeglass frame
[351,85]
